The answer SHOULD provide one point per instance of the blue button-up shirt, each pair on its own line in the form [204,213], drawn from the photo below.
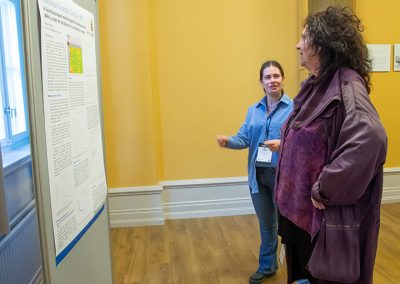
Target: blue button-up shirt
[257,128]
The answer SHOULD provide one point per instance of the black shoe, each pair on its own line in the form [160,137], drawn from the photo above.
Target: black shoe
[258,277]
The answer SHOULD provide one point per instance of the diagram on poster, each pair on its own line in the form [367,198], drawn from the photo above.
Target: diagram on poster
[72,121]
[75,56]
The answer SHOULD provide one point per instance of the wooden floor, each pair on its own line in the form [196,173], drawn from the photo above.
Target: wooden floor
[221,250]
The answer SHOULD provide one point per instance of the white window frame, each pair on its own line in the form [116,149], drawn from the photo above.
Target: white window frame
[8,114]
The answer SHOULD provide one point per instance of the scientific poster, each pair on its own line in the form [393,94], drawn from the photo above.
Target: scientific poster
[72,121]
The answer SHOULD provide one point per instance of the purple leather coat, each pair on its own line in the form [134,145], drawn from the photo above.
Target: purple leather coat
[333,148]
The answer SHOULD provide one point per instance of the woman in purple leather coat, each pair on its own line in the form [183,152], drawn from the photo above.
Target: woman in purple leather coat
[329,176]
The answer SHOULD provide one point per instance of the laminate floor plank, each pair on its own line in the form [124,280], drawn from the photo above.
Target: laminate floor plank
[221,250]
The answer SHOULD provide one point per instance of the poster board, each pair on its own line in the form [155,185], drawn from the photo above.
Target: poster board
[67,147]
[72,121]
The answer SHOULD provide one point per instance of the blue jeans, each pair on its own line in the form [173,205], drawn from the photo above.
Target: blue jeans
[266,211]
[303,281]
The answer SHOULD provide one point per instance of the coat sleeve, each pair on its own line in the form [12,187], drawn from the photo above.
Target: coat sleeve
[359,153]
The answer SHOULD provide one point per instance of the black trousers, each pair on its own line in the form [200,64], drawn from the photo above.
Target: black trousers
[298,250]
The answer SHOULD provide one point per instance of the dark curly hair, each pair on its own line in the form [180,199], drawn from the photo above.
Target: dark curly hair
[336,36]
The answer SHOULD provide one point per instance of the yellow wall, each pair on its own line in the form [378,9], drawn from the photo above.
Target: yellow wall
[382,26]
[208,57]
[127,93]
[176,73]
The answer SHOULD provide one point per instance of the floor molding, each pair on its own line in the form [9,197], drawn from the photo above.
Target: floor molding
[135,206]
[391,185]
[199,198]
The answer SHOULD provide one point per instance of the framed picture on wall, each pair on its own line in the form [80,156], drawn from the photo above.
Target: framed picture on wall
[396,57]
[380,56]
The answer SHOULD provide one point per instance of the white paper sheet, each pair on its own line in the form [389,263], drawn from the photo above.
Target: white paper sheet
[72,121]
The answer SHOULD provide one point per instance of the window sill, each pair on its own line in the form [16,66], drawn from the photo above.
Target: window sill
[12,159]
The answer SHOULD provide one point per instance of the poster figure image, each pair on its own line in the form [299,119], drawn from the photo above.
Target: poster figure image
[75,56]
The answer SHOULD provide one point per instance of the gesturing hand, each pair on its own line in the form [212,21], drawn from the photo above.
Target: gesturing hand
[222,140]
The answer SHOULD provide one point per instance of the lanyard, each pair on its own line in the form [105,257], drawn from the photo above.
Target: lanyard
[269,119]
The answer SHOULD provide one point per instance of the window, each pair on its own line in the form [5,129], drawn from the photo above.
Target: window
[16,183]
[13,118]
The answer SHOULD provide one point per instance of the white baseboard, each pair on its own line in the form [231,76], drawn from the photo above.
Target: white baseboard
[151,205]
[391,185]
[198,198]
[135,206]
[206,198]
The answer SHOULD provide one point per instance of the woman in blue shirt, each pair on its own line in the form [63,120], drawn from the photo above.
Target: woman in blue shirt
[261,134]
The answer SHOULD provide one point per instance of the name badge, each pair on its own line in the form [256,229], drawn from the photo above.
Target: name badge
[264,154]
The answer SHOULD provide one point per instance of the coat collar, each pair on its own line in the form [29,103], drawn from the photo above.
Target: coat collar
[323,94]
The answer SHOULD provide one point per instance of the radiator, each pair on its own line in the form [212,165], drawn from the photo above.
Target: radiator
[20,260]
